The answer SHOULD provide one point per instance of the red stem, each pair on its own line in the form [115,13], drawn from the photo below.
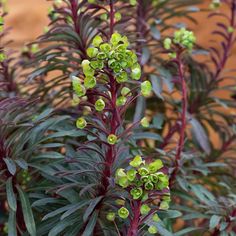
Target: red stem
[183,117]
[134,224]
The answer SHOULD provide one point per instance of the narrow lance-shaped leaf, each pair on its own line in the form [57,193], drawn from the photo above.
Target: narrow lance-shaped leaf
[27,212]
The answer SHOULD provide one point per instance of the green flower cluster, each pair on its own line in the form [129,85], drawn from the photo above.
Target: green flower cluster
[1,23]
[113,55]
[182,37]
[142,178]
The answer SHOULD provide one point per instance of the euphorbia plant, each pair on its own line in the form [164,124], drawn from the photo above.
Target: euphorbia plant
[112,66]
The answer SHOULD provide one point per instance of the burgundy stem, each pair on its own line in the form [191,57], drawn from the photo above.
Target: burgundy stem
[183,117]
[134,224]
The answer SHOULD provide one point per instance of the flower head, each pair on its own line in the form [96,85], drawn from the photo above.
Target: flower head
[123,213]
[81,123]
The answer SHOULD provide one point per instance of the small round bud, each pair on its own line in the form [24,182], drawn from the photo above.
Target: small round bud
[105,47]
[153,167]
[143,171]
[87,70]
[120,101]
[120,202]
[136,72]
[167,43]
[136,193]
[230,29]
[104,16]
[115,39]
[92,52]
[100,105]
[164,205]
[149,185]
[136,162]
[125,92]
[90,82]
[112,139]
[2,57]
[131,174]
[118,16]
[145,209]
[111,216]
[81,123]
[76,100]
[144,122]
[146,88]
[144,178]
[133,2]
[155,218]
[172,55]
[79,89]
[152,229]
[122,77]
[34,48]
[123,213]
[97,41]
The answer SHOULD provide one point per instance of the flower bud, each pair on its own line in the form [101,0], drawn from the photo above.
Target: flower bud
[104,16]
[143,171]
[131,174]
[155,218]
[97,64]
[81,123]
[97,41]
[167,43]
[122,77]
[90,82]
[144,122]
[111,216]
[144,179]
[152,229]
[153,178]
[136,162]
[133,2]
[136,72]
[120,101]
[101,56]
[112,139]
[136,193]
[92,52]
[120,202]
[123,182]
[120,173]
[105,47]
[87,70]
[76,100]
[100,105]
[79,89]
[164,205]
[123,213]
[149,185]
[115,39]
[118,16]
[146,88]
[153,167]
[145,209]
[125,92]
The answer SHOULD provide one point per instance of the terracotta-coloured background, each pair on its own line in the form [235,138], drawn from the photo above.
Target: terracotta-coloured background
[29,17]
